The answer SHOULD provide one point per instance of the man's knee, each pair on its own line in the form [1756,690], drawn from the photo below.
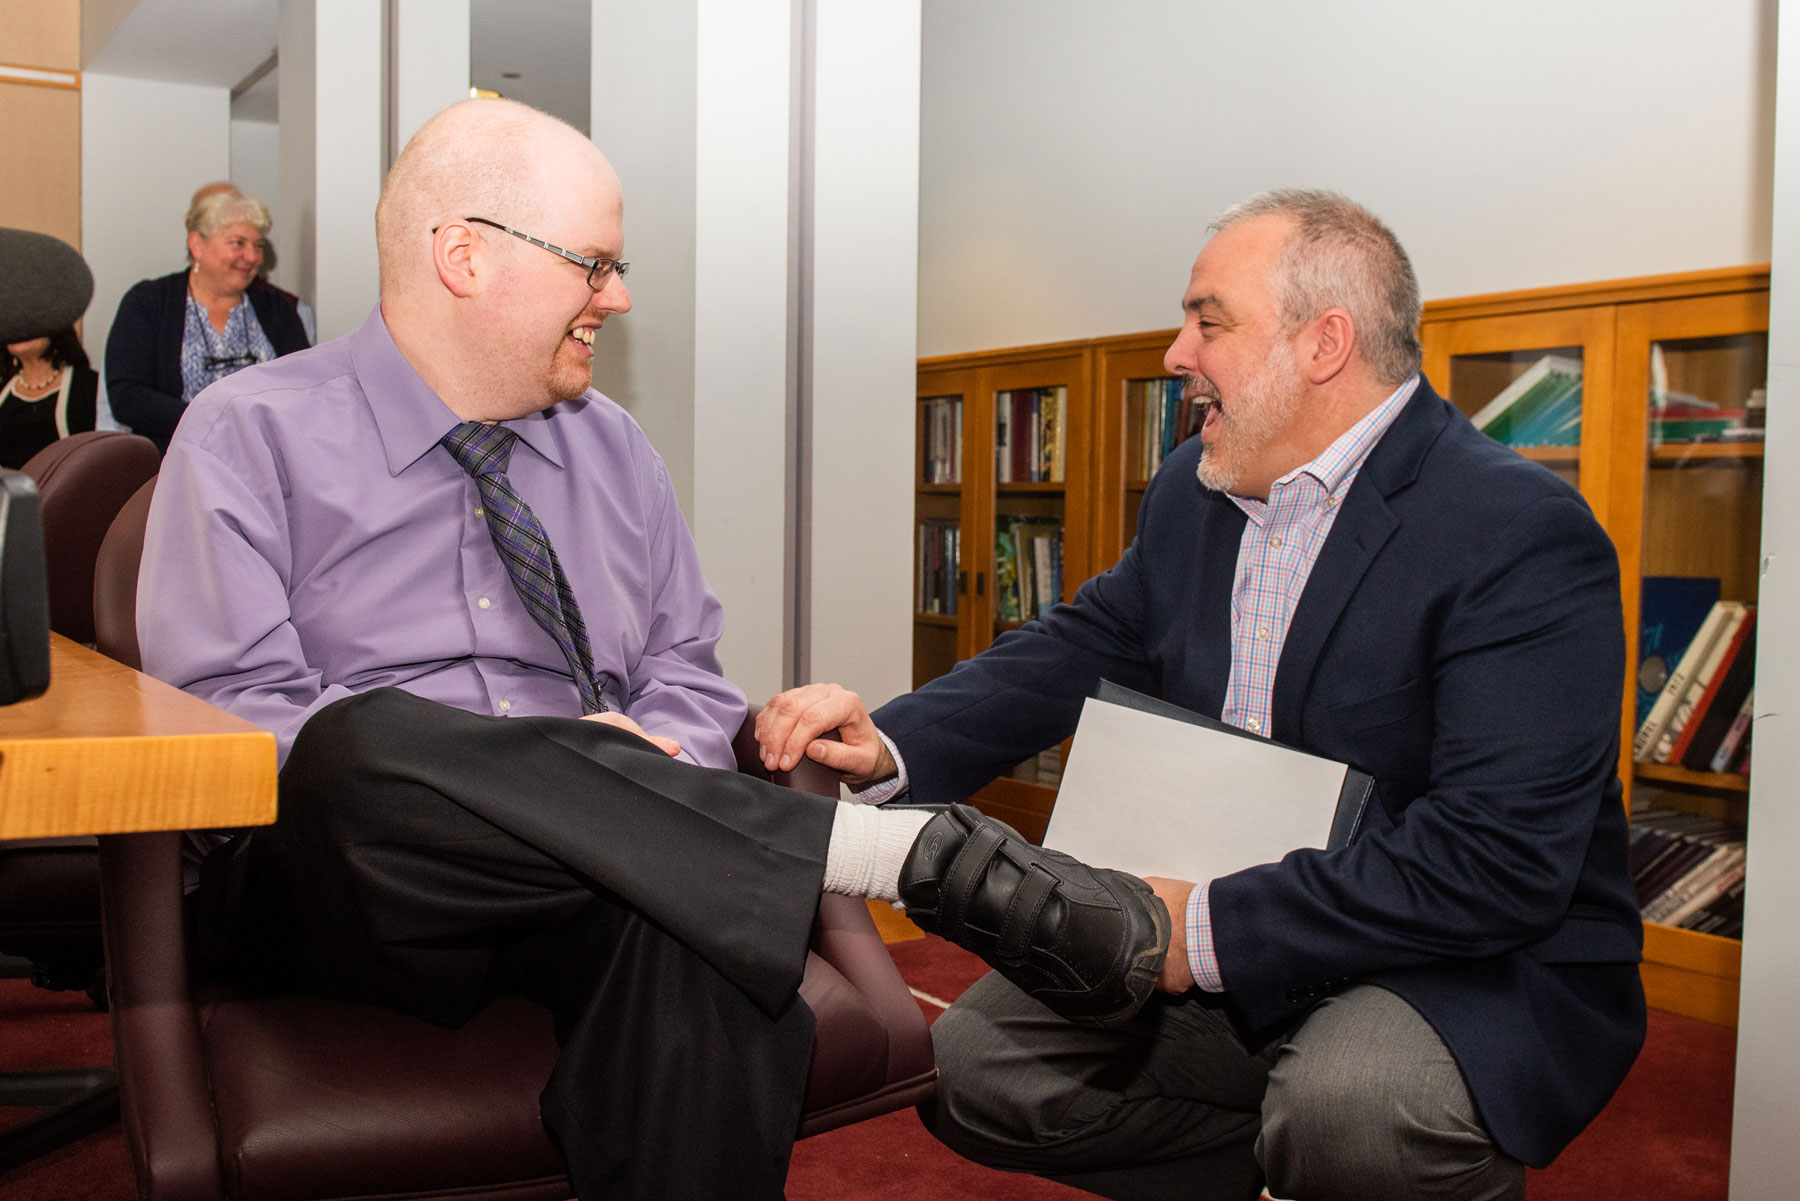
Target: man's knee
[1366,1102]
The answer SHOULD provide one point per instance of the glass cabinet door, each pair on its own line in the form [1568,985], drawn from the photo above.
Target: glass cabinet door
[1139,419]
[1540,384]
[940,580]
[1695,373]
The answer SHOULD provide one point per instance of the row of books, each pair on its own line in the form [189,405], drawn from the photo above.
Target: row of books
[1677,416]
[1540,408]
[1157,421]
[1027,569]
[942,452]
[939,542]
[1701,718]
[1031,434]
[1688,871]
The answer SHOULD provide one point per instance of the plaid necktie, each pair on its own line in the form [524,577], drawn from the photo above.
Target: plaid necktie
[483,452]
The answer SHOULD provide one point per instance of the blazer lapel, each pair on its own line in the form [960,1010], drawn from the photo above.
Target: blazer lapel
[1362,528]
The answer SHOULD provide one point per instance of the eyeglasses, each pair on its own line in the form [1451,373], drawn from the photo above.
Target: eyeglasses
[598,270]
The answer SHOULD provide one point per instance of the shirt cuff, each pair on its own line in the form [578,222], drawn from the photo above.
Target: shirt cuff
[1203,958]
[882,791]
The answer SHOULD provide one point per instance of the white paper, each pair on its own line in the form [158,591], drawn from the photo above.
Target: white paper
[1155,796]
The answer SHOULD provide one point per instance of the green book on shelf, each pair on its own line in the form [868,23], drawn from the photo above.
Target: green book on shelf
[1545,382]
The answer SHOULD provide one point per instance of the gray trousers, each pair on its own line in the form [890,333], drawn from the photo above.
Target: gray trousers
[1361,1100]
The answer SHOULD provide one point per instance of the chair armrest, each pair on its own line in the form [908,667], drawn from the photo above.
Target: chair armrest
[165,1102]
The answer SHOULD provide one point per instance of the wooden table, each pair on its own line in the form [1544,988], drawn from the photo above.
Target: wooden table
[108,750]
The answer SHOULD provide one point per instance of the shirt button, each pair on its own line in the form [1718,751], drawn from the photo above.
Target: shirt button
[1275,541]
[1254,726]
[480,512]
[1330,501]
[506,706]
[1262,632]
[484,602]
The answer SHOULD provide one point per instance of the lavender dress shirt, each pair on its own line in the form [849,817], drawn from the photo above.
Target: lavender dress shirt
[310,539]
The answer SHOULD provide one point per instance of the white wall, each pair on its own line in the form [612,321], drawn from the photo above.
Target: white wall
[332,125]
[430,58]
[145,147]
[855,558]
[1073,152]
[256,169]
[1765,1156]
[643,108]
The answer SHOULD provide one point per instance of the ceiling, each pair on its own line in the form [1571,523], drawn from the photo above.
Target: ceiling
[532,50]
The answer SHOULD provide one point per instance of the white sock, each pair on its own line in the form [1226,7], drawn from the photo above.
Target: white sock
[868,847]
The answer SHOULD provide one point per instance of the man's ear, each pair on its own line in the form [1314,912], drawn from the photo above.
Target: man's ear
[455,254]
[1330,341]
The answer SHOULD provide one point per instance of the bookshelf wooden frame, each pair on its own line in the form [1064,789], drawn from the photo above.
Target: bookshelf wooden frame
[1616,322]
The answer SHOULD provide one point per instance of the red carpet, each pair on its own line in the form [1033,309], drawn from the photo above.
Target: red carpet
[1666,1135]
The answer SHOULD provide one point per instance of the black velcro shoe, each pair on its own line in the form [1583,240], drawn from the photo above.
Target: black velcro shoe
[1087,942]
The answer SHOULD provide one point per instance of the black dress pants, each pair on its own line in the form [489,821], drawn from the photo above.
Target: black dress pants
[431,859]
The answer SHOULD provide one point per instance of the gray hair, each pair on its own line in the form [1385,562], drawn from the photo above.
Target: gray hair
[215,212]
[1340,255]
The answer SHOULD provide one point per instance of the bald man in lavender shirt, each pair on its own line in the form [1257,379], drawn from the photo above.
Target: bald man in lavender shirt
[318,562]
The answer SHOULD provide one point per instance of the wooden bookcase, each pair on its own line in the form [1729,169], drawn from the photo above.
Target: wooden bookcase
[1689,509]
[980,505]
[1675,509]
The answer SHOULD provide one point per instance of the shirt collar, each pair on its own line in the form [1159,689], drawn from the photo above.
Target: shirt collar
[1338,463]
[410,418]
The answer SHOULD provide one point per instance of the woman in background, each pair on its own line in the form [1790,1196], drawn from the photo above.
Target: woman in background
[175,335]
[48,394]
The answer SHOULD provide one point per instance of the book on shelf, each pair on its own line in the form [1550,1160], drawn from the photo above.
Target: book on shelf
[937,558]
[1684,866]
[1722,701]
[1027,568]
[1676,857]
[1671,609]
[1006,576]
[1643,745]
[1540,408]
[1158,420]
[1736,739]
[943,440]
[1672,743]
[1031,429]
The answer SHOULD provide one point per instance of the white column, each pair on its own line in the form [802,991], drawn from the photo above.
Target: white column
[1765,1156]
[429,57]
[856,557]
[770,353]
[743,333]
[332,114]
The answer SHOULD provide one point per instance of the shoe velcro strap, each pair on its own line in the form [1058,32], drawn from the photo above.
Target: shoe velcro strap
[964,878]
[1021,918]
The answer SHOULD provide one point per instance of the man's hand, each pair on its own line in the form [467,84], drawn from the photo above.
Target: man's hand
[667,745]
[789,727]
[1177,975]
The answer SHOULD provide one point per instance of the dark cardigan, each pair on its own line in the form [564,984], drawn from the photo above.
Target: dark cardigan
[143,351]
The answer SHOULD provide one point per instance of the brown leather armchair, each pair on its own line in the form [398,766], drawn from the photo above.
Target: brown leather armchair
[225,1094]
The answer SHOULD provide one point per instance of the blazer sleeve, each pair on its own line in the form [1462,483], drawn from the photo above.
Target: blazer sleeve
[134,370]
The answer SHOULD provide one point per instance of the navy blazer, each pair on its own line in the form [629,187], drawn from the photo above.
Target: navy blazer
[1460,639]
[143,349]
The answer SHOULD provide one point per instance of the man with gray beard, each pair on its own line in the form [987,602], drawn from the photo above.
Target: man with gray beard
[1342,563]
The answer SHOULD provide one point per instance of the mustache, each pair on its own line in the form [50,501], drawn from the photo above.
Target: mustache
[1200,388]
